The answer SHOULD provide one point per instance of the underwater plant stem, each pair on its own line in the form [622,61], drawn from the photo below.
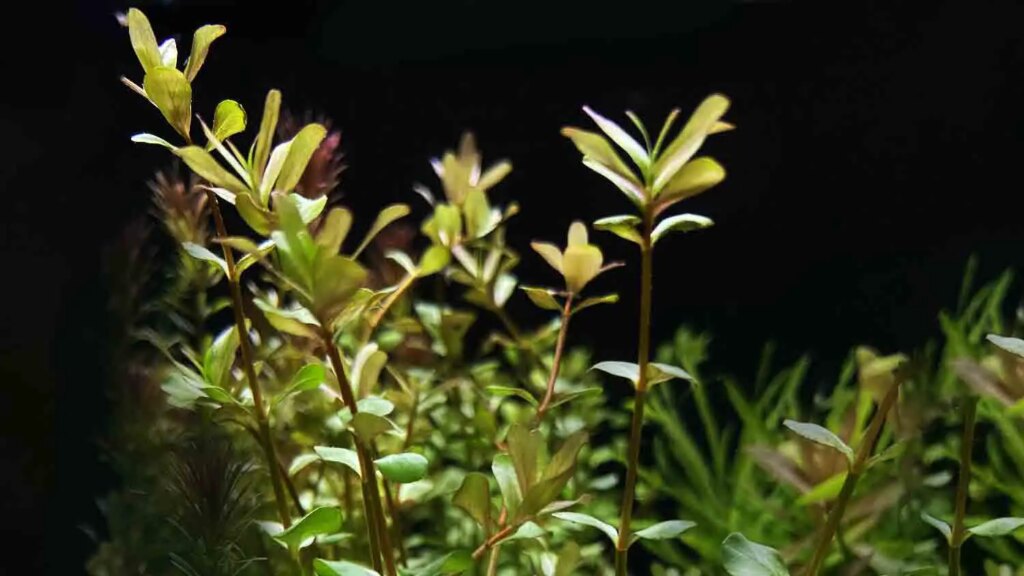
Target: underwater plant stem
[557,362]
[396,527]
[380,544]
[245,349]
[644,339]
[857,468]
[492,562]
[970,412]
[378,316]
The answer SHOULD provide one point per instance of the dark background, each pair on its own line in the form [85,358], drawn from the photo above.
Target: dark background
[877,147]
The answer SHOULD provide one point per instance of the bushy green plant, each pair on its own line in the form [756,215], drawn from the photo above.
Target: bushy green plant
[327,406]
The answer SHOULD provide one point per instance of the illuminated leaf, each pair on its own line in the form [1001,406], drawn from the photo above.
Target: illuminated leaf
[201,41]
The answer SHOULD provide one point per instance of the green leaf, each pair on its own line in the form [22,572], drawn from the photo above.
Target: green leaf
[258,218]
[695,177]
[680,223]
[206,167]
[309,377]
[745,558]
[690,139]
[245,262]
[595,300]
[664,530]
[219,358]
[386,217]
[504,391]
[368,426]
[820,435]
[824,491]
[658,373]
[627,370]
[629,186]
[403,468]
[570,396]
[551,254]
[433,260]
[152,139]
[366,368]
[508,483]
[621,138]
[297,322]
[997,527]
[265,137]
[1014,346]
[939,525]
[301,462]
[450,563]
[168,89]
[334,229]
[342,456]
[541,297]
[336,279]
[669,120]
[623,226]
[580,264]
[201,41]
[527,531]
[587,520]
[325,520]
[143,40]
[524,448]
[474,496]
[300,151]
[340,568]
[556,475]
[228,119]
[596,148]
[202,253]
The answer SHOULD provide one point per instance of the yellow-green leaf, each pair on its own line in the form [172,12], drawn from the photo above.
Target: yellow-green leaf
[143,40]
[301,150]
[206,167]
[228,119]
[384,218]
[168,89]
[201,41]
[580,264]
[689,140]
[550,253]
[334,229]
[693,178]
[264,140]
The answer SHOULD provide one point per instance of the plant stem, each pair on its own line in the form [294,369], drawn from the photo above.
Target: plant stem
[970,411]
[245,349]
[380,544]
[557,362]
[644,338]
[375,320]
[492,563]
[857,468]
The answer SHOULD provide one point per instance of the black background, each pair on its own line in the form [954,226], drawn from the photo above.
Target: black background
[877,147]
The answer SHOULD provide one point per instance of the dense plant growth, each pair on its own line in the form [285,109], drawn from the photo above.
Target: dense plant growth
[324,407]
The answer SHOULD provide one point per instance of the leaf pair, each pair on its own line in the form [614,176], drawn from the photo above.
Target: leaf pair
[992,528]
[667,530]
[402,468]
[656,372]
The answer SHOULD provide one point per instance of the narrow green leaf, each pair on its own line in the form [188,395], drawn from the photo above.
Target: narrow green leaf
[587,520]
[541,297]
[823,491]
[1014,346]
[301,462]
[403,468]
[623,226]
[503,391]
[690,139]
[551,254]
[206,166]
[695,177]
[433,260]
[143,40]
[939,525]
[524,449]
[300,151]
[621,138]
[664,530]
[228,119]
[168,89]
[632,189]
[309,377]
[220,357]
[264,248]
[342,456]
[505,473]
[595,147]
[997,527]
[325,520]
[334,229]
[297,322]
[366,368]
[680,223]
[595,300]
[201,41]
[627,370]
[384,218]
[340,568]
[152,139]
[528,531]
[820,435]
[202,253]
[658,373]
[474,497]
[745,558]
[264,140]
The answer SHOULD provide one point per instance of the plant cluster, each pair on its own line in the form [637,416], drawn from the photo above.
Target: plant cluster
[327,407]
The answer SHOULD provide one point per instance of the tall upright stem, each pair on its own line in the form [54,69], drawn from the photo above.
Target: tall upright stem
[644,338]
[556,363]
[380,544]
[970,411]
[245,349]
[857,469]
